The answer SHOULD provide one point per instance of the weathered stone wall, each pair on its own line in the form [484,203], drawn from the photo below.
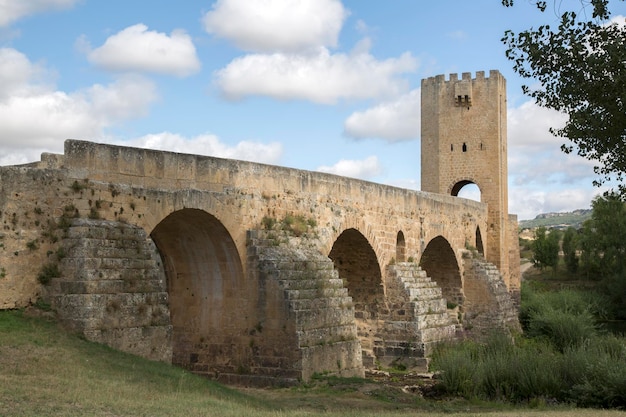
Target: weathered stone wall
[317,304]
[239,310]
[416,320]
[112,288]
[32,201]
[143,187]
[488,304]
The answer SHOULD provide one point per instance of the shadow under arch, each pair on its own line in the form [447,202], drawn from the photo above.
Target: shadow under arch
[479,242]
[205,282]
[357,265]
[400,247]
[440,263]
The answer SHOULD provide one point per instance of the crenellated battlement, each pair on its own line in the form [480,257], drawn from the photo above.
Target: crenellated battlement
[465,76]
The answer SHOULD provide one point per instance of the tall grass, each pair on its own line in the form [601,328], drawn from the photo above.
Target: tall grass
[563,357]
[46,372]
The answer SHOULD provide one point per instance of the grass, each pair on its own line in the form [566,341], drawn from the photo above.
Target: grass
[47,372]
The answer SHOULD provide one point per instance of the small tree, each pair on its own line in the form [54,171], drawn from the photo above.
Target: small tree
[546,248]
[603,245]
[604,237]
[570,247]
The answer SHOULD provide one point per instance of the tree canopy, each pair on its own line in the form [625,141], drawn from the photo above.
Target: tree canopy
[546,248]
[603,249]
[580,67]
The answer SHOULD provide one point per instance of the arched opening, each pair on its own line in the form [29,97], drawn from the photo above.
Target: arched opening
[440,264]
[400,247]
[479,242]
[205,281]
[466,189]
[356,262]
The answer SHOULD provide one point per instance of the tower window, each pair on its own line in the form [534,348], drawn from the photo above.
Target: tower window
[464,147]
[451,147]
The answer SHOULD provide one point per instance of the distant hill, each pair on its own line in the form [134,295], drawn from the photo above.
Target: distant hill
[557,220]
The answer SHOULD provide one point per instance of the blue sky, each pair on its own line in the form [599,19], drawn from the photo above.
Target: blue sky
[322,85]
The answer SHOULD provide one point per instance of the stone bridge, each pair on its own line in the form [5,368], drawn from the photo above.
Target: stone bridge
[249,273]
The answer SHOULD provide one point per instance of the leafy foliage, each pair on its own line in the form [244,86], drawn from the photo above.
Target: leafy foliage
[570,246]
[546,248]
[580,67]
[603,249]
[562,358]
[604,237]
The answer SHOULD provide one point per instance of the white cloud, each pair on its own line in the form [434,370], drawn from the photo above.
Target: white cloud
[209,145]
[35,117]
[528,126]
[277,25]
[363,169]
[535,155]
[321,77]
[138,49]
[12,10]
[527,202]
[291,59]
[541,177]
[17,74]
[395,121]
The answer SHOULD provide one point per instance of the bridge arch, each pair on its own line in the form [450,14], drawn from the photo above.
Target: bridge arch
[205,283]
[357,264]
[400,247]
[469,184]
[440,263]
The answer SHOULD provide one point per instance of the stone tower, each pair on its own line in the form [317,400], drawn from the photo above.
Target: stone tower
[464,142]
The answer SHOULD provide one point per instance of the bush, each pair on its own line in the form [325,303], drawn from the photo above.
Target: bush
[562,357]
[564,318]
[48,272]
[458,366]
[563,330]
[603,382]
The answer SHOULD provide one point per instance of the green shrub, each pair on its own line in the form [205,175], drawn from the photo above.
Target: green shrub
[566,318]
[562,357]
[297,224]
[458,369]
[48,272]
[268,222]
[77,187]
[563,330]
[603,382]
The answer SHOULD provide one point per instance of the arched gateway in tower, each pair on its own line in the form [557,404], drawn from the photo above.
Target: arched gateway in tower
[464,141]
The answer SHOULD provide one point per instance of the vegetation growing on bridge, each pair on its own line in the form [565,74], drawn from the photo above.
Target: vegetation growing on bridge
[294,224]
